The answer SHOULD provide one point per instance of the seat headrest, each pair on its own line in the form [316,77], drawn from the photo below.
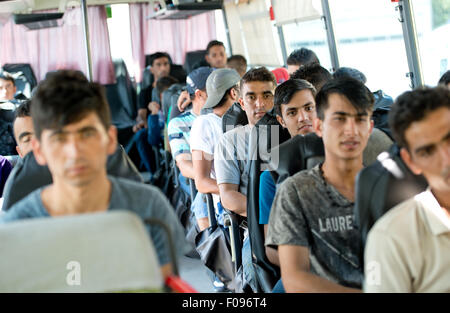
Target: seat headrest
[170,96]
[296,154]
[233,117]
[102,252]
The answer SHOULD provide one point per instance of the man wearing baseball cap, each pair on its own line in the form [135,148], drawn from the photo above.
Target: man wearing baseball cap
[179,133]
[222,90]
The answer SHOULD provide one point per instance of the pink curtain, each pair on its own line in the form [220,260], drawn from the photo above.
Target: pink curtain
[60,47]
[175,37]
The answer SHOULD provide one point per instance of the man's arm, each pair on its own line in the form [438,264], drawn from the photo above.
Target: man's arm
[141,120]
[183,100]
[232,199]
[184,163]
[296,276]
[202,163]
[271,253]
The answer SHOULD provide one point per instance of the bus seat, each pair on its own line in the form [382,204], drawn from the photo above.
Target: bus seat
[381,186]
[233,117]
[296,154]
[195,59]
[102,252]
[381,110]
[25,79]
[121,98]
[260,142]
[7,142]
[304,152]
[169,100]
[28,175]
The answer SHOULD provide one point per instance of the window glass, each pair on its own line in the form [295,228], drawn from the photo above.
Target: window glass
[370,38]
[120,35]
[432,19]
[311,35]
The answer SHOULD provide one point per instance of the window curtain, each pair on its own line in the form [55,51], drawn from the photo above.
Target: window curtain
[176,37]
[62,47]
[252,32]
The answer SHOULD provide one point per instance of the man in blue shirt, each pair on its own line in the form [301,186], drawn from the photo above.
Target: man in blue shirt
[74,136]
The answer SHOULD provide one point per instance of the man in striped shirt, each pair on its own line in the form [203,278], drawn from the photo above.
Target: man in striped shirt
[179,131]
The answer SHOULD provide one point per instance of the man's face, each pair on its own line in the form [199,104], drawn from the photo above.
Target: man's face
[257,99]
[7,90]
[216,57]
[24,133]
[429,148]
[298,115]
[292,69]
[76,155]
[160,67]
[344,131]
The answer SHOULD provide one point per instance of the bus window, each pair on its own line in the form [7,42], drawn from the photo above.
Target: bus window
[311,35]
[370,38]
[120,36]
[433,28]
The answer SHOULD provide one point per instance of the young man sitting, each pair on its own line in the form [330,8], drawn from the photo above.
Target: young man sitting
[74,136]
[408,248]
[311,221]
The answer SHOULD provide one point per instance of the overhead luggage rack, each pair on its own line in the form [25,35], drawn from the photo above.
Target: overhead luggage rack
[183,10]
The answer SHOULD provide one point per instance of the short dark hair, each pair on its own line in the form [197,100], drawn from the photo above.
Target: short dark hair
[287,90]
[66,97]
[356,92]
[302,56]
[413,106]
[445,78]
[239,63]
[213,43]
[314,73]
[165,82]
[158,55]
[258,74]
[350,72]
[7,76]
[23,110]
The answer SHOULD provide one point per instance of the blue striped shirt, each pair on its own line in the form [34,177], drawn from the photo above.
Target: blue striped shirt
[179,131]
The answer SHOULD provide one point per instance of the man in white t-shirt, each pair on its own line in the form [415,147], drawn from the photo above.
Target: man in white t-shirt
[408,248]
[222,90]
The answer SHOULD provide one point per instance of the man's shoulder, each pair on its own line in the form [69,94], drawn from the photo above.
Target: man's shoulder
[29,206]
[400,218]
[303,177]
[238,130]
[182,119]
[136,187]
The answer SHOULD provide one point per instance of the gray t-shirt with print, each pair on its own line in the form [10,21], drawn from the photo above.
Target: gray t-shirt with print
[309,212]
[144,200]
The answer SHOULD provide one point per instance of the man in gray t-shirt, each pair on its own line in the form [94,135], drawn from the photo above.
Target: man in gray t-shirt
[74,136]
[257,88]
[311,221]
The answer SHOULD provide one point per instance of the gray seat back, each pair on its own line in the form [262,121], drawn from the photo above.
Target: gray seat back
[103,252]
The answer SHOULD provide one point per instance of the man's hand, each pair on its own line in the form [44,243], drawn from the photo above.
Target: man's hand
[141,120]
[138,126]
[154,107]
[183,100]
